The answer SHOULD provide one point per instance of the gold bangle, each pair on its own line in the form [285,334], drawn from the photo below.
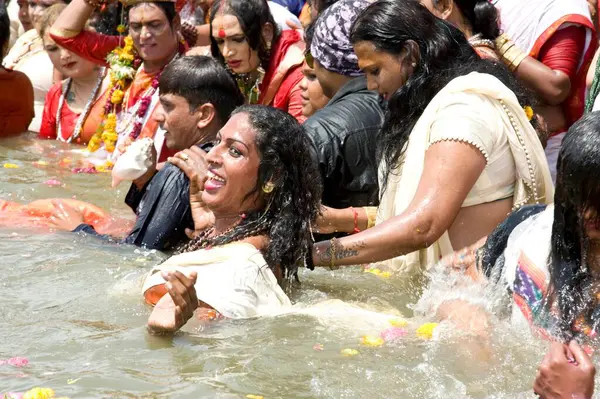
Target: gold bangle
[513,58]
[332,266]
[371,212]
[502,40]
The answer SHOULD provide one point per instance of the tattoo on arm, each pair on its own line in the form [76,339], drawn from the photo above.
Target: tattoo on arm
[339,251]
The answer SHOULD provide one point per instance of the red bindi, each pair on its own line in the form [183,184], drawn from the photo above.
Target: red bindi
[222,33]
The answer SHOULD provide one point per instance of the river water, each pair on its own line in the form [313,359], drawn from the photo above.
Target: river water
[72,306]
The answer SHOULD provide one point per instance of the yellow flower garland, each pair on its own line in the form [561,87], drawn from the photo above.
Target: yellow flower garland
[122,72]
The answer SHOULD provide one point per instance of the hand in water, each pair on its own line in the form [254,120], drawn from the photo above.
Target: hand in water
[175,309]
[565,372]
[193,163]
[65,217]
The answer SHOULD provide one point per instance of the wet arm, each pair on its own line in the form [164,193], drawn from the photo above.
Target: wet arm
[551,77]
[438,199]
[73,19]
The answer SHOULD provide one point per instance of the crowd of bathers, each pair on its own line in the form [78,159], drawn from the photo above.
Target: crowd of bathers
[400,135]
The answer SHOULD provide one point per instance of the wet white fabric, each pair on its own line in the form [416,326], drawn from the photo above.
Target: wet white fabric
[530,186]
[234,279]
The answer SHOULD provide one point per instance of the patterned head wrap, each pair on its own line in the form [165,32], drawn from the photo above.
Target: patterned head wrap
[331,41]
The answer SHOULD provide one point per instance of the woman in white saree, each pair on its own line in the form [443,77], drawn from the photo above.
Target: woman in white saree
[457,153]
[261,192]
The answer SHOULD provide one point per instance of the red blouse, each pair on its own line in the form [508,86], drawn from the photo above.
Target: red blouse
[562,52]
[69,117]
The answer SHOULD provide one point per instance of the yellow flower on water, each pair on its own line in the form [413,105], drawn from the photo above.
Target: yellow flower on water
[426,330]
[10,166]
[529,112]
[254,397]
[39,393]
[117,97]
[398,322]
[385,274]
[376,272]
[349,352]
[121,28]
[369,340]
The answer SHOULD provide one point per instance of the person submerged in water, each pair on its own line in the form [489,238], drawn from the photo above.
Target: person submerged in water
[548,257]
[263,191]
[197,95]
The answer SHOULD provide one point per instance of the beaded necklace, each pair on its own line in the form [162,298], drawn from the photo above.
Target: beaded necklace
[83,116]
[251,91]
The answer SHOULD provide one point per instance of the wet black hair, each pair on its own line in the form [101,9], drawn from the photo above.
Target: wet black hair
[481,15]
[4,28]
[444,54]
[252,16]
[295,200]
[201,80]
[577,191]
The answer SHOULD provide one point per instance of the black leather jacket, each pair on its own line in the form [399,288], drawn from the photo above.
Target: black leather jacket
[344,135]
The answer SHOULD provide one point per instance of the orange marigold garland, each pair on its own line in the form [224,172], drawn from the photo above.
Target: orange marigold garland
[123,63]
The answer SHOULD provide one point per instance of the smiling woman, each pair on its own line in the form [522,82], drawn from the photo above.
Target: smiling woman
[154,29]
[263,191]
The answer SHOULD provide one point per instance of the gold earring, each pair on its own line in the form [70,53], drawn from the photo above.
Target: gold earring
[268,187]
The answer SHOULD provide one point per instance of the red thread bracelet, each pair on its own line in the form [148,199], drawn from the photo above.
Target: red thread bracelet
[356,229]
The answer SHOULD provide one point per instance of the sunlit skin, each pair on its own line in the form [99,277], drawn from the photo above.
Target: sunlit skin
[233,170]
[385,72]
[154,38]
[36,9]
[24,15]
[183,127]
[313,98]
[448,11]
[234,47]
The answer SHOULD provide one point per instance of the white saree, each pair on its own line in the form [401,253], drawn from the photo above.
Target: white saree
[532,183]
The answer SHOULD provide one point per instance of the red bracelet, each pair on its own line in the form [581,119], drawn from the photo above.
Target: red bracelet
[356,229]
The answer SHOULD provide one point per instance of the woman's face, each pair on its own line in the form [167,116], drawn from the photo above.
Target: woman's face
[233,169]
[385,72]
[234,46]
[313,98]
[24,14]
[36,9]
[153,37]
[67,63]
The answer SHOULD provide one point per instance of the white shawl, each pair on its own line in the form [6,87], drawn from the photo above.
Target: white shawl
[533,186]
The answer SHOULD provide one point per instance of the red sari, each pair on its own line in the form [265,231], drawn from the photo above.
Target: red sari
[69,117]
[280,87]
[558,33]
[95,47]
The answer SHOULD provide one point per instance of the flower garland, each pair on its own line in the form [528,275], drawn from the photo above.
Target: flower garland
[124,64]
